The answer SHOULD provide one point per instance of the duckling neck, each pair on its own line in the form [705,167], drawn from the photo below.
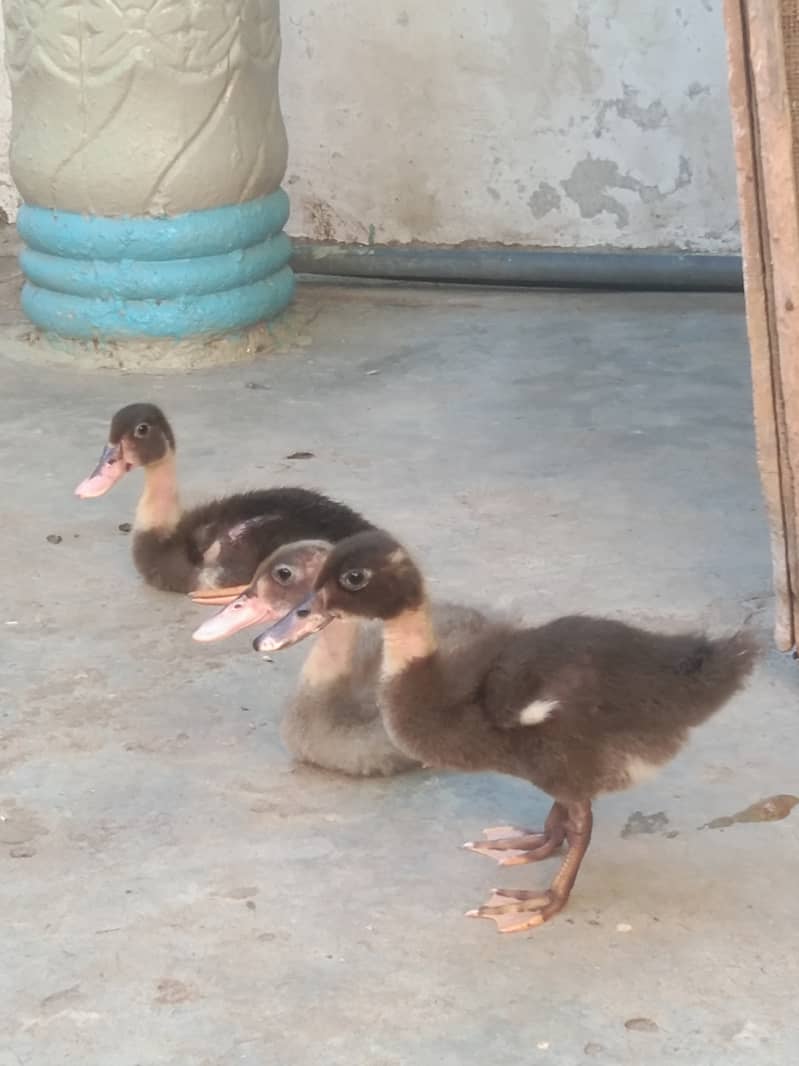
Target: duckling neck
[159,507]
[332,654]
[407,637]
[411,684]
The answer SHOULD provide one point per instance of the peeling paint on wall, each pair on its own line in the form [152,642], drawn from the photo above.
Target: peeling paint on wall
[546,198]
[598,123]
[591,178]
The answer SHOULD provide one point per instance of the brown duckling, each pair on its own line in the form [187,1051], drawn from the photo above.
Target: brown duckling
[578,706]
[217,545]
[333,719]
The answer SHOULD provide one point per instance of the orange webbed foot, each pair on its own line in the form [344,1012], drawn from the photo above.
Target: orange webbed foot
[510,846]
[515,910]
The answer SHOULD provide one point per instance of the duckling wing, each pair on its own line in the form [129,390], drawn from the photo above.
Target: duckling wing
[531,682]
[213,539]
[241,530]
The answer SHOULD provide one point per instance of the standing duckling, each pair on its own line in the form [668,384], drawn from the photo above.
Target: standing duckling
[218,545]
[578,706]
[333,719]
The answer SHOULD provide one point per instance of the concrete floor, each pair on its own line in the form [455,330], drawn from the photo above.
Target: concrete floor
[175,892]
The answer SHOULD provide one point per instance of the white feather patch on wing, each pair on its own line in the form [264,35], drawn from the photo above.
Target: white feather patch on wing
[535,713]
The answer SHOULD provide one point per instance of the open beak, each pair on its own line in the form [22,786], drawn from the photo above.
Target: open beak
[109,470]
[220,597]
[245,610]
[306,619]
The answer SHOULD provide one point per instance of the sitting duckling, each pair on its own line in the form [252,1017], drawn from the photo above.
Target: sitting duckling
[333,719]
[578,706]
[215,548]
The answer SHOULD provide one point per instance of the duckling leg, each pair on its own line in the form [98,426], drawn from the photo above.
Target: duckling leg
[515,910]
[510,846]
[217,597]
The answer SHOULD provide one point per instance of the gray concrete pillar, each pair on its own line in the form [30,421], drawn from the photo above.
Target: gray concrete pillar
[149,148]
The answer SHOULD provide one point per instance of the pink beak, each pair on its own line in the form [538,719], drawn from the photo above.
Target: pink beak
[245,610]
[109,470]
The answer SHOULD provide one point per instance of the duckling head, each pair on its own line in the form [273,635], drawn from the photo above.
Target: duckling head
[281,583]
[369,575]
[140,435]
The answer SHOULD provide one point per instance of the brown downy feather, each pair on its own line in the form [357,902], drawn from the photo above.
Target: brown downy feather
[334,721]
[219,543]
[616,702]
[176,560]
[578,706]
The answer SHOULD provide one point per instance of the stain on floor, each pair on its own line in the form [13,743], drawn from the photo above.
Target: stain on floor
[638,822]
[771,809]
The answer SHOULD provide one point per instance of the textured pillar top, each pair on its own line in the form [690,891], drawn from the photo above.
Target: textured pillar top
[145,107]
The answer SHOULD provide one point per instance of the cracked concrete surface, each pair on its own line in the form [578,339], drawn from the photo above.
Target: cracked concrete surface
[175,892]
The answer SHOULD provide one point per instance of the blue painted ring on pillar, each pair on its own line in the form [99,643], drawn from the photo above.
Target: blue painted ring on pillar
[200,273]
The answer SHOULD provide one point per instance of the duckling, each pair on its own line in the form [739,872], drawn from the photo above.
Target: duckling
[579,706]
[333,719]
[214,549]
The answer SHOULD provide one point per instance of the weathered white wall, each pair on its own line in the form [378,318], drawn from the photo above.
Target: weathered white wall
[8,194]
[537,122]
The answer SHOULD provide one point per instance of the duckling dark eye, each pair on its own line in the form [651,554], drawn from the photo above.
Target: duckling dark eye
[283,574]
[355,580]
[141,430]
